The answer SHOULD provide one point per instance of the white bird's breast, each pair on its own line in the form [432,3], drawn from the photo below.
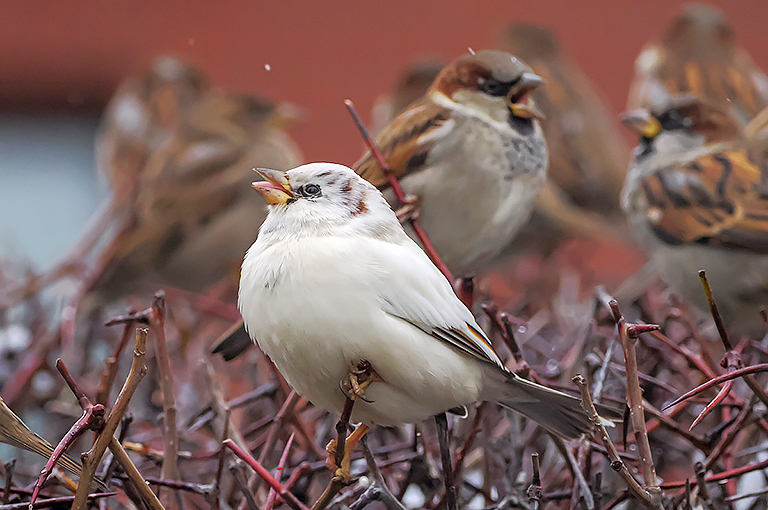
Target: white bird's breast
[311,306]
[478,188]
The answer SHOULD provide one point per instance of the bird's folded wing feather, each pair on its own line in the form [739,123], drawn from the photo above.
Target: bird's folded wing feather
[718,199]
[414,290]
[405,143]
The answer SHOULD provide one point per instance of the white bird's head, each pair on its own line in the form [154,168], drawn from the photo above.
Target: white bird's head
[323,199]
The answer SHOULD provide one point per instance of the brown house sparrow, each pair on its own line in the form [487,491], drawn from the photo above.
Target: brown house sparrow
[696,198]
[190,218]
[698,55]
[587,157]
[141,115]
[474,133]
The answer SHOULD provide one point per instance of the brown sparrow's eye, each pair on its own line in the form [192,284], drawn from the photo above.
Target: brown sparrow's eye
[494,87]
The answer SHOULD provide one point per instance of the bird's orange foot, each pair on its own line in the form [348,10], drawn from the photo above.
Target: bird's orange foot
[350,444]
[360,376]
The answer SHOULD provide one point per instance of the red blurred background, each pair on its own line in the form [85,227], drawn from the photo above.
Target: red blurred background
[71,56]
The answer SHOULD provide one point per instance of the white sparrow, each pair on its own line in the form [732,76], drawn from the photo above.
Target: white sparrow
[697,198]
[333,283]
[189,220]
[474,133]
[698,55]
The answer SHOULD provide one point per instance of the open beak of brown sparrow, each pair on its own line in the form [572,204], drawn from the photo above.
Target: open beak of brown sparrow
[274,188]
[519,97]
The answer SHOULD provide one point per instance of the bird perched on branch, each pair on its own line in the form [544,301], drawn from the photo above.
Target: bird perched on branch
[698,55]
[344,302]
[587,157]
[475,133]
[696,197]
[179,156]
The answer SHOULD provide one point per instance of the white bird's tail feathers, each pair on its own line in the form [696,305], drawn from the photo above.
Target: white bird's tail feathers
[557,412]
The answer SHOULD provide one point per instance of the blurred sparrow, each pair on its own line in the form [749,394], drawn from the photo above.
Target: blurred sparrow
[696,197]
[698,55]
[587,157]
[189,218]
[472,151]
[14,432]
[339,297]
[142,114]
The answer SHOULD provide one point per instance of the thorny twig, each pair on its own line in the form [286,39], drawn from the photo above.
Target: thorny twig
[617,464]
[93,456]
[91,419]
[751,382]
[627,335]
[170,468]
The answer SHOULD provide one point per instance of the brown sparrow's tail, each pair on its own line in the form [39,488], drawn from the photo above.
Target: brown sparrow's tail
[557,412]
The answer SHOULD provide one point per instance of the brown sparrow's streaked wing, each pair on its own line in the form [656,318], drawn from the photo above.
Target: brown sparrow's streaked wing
[698,54]
[588,159]
[718,199]
[405,143]
[412,83]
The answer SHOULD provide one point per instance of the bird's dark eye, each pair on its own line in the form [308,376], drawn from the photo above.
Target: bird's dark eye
[494,87]
[673,119]
[310,190]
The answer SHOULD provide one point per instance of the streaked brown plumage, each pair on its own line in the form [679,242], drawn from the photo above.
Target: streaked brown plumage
[474,131]
[189,215]
[697,198]
[698,54]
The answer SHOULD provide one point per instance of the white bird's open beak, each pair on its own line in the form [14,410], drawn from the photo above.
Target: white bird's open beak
[274,188]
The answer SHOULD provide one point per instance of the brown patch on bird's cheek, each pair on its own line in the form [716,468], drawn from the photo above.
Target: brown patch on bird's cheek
[360,208]
[347,186]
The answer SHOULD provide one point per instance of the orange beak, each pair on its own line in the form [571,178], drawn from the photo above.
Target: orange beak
[274,188]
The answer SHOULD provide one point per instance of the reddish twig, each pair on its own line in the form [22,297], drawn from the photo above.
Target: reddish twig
[429,248]
[43,503]
[751,382]
[109,374]
[272,496]
[264,473]
[762,367]
[91,419]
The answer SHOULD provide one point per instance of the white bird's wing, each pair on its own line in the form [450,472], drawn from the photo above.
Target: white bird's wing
[411,288]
